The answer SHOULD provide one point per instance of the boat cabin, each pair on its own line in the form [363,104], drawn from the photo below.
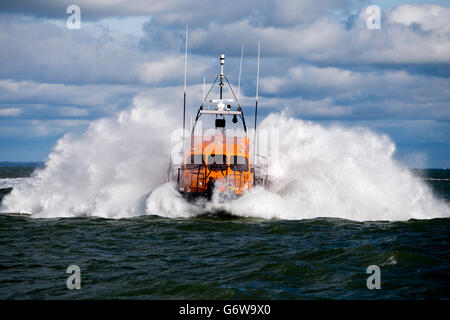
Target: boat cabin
[219,162]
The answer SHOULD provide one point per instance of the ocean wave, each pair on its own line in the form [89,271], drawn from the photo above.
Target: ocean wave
[12,182]
[118,169]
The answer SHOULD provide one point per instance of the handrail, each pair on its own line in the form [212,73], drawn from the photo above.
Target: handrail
[202,173]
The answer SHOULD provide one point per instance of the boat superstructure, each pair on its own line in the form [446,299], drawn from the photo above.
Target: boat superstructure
[220,161]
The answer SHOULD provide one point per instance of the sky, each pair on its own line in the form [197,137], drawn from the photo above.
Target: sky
[319,62]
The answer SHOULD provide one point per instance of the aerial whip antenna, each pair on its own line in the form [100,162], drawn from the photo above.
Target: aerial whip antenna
[185,72]
[240,71]
[203,95]
[256,102]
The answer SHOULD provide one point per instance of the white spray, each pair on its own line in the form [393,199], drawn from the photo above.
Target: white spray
[338,172]
[118,168]
[108,171]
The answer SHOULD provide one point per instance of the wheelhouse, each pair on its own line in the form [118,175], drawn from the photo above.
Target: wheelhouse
[224,161]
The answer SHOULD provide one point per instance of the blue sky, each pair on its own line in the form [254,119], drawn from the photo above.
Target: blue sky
[319,62]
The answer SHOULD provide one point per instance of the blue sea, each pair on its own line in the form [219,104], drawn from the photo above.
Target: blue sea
[222,257]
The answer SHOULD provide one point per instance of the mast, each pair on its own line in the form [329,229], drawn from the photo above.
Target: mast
[240,72]
[222,59]
[222,109]
[185,73]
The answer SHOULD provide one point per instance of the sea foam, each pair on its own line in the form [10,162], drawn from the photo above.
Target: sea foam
[118,169]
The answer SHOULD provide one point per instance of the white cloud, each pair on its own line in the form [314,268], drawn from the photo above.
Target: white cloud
[61,94]
[429,17]
[299,107]
[373,93]
[312,30]
[10,112]
[73,112]
[313,64]
[327,40]
[39,50]
[41,128]
[171,69]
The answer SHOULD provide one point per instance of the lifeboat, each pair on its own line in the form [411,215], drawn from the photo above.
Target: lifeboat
[218,163]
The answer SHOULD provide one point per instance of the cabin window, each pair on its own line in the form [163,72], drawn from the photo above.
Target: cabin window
[217,162]
[238,163]
[194,161]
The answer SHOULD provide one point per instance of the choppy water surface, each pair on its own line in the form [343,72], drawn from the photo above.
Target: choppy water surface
[214,258]
[228,257]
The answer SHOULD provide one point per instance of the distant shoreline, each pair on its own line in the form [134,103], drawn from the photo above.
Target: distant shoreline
[22,163]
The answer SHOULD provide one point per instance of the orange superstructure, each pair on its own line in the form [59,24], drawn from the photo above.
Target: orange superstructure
[219,162]
[223,160]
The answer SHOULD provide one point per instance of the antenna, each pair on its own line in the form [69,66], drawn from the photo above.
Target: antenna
[256,102]
[203,94]
[185,72]
[240,71]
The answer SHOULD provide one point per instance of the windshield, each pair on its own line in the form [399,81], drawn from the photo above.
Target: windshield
[238,163]
[217,162]
[194,161]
